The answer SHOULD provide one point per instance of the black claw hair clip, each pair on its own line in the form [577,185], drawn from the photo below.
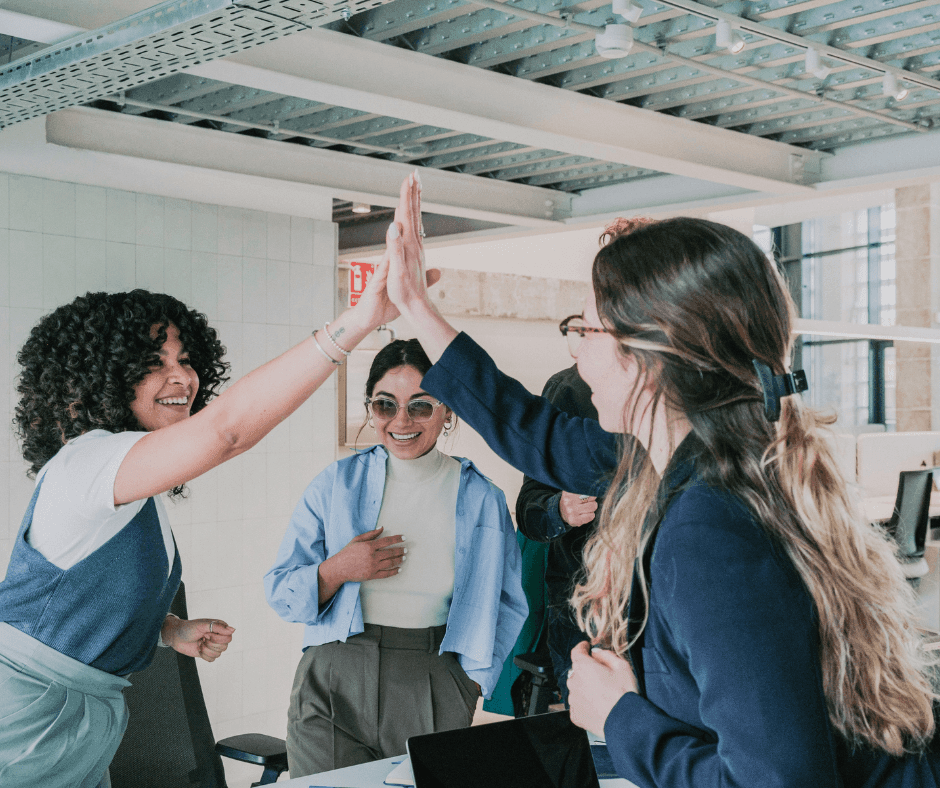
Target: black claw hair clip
[775,387]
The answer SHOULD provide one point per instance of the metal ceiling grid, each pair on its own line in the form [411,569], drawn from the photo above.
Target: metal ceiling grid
[188,99]
[676,67]
[149,45]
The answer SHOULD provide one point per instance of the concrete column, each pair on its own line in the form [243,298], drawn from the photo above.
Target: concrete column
[918,291]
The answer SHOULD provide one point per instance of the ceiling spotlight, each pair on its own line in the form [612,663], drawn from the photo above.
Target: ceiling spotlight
[726,38]
[628,10]
[891,88]
[614,41]
[814,64]
[361,207]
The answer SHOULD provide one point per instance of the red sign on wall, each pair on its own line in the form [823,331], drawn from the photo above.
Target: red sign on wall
[359,275]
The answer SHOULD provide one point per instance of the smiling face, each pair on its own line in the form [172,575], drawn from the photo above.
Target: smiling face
[165,396]
[611,375]
[404,437]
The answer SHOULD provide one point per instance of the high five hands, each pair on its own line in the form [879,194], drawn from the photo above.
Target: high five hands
[408,279]
[382,298]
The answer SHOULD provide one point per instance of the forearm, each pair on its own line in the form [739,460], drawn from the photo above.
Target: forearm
[261,400]
[431,328]
[330,579]
[168,630]
[527,431]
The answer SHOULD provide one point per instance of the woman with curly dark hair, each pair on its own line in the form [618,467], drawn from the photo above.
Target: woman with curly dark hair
[119,402]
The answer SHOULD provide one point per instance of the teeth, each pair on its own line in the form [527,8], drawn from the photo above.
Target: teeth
[173,401]
[408,437]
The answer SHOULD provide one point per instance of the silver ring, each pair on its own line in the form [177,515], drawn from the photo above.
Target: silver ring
[584,497]
[210,626]
[570,671]
[421,232]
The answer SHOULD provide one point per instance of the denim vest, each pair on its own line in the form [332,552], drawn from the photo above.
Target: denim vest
[107,610]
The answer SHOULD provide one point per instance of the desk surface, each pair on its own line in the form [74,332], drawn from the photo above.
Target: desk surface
[372,775]
[878,509]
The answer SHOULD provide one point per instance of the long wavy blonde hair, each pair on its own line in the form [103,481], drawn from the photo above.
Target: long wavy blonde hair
[693,303]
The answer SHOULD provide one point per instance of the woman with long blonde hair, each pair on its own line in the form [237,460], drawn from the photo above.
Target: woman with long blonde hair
[748,627]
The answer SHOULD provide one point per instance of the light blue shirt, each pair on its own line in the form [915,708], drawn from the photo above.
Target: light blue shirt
[488,607]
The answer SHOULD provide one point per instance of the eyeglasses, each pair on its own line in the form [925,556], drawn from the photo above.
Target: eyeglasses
[573,329]
[385,409]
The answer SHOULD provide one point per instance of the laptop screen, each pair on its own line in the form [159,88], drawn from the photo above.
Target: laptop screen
[544,751]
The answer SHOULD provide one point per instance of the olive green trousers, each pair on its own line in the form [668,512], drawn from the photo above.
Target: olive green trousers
[361,700]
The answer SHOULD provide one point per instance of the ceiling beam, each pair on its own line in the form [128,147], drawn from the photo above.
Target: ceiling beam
[348,177]
[322,65]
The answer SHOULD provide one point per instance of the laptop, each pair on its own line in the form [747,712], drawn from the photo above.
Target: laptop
[543,751]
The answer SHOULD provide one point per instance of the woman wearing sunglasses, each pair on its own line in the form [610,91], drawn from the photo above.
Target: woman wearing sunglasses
[403,564]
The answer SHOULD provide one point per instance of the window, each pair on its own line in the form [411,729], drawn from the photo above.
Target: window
[841,268]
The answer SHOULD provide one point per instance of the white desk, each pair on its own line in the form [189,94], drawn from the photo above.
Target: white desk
[879,508]
[372,775]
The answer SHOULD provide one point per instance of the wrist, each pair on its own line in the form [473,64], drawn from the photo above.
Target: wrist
[420,307]
[328,581]
[167,631]
[350,328]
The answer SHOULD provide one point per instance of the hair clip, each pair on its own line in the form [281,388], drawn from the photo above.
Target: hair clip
[775,387]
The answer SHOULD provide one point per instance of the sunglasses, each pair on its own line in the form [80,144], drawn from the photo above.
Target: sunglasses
[385,409]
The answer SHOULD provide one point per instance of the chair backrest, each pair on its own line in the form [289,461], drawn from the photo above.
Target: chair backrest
[911,515]
[169,741]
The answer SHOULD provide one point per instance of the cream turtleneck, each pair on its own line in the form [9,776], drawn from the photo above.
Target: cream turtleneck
[420,503]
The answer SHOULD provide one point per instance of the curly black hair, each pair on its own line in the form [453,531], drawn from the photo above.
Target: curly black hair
[82,362]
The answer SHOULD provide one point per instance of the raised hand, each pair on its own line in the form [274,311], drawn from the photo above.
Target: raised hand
[408,279]
[375,307]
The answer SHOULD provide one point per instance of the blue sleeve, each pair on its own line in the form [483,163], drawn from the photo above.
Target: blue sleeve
[512,608]
[737,642]
[292,584]
[531,434]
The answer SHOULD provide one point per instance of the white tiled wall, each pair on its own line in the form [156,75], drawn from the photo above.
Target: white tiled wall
[264,280]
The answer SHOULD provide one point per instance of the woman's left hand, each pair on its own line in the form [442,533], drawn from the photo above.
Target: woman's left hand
[205,638]
[596,681]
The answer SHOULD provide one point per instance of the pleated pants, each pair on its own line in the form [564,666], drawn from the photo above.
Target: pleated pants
[361,700]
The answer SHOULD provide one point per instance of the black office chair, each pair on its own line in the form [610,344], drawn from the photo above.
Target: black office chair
[535,688]
[910,521]
[169,741]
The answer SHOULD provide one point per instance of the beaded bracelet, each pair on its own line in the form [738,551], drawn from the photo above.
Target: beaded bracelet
[326,330]
[320,348]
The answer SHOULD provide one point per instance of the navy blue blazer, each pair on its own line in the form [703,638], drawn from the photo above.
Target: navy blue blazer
[728,666]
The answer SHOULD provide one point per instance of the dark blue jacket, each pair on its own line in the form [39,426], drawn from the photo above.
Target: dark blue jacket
[728,666]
